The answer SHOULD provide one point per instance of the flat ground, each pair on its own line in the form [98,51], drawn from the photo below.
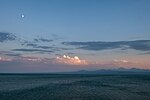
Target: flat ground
[74,87]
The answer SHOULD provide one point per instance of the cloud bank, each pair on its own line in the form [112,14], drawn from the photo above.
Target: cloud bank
[141,45]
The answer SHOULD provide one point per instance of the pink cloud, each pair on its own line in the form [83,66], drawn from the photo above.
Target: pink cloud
[70,60]
[5,59]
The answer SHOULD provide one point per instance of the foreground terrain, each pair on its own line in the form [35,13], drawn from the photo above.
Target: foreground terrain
[74,87]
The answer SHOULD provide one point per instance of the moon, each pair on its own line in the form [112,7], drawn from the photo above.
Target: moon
[22,16]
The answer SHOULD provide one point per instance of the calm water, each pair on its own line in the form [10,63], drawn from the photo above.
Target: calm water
[74,87]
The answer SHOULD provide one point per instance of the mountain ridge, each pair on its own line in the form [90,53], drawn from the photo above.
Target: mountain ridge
[111,71]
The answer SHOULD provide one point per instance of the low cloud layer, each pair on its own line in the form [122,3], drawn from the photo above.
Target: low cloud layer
[141,45]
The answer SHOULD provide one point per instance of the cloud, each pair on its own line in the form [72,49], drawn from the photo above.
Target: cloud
[120,61]
[53,38]
[34,45]
[28,43]
[10,53]
[13,54]
[146,53]
[126,63]
[7,37]
[52,48]
[43,40]
[40,46]
[4,59]
[70,60]
[34,59]
[37,59]
[31,44]
[32,50]
[141,45]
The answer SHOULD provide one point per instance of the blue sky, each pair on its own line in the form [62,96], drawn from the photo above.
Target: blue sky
[86,21]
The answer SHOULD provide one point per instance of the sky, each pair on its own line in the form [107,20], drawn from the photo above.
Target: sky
[70,35]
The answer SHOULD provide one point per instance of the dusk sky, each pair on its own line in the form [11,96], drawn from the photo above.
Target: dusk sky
[70,35]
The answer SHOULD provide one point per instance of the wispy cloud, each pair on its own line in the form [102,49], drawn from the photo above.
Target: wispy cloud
[142,45]
[7,37]
[145,53]
[43,40]
[10,53]
[13,54]
[35,45]
[40,46]
[32,50]
[53,38]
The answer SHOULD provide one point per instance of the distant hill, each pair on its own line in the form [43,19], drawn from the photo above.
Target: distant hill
[111,71]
